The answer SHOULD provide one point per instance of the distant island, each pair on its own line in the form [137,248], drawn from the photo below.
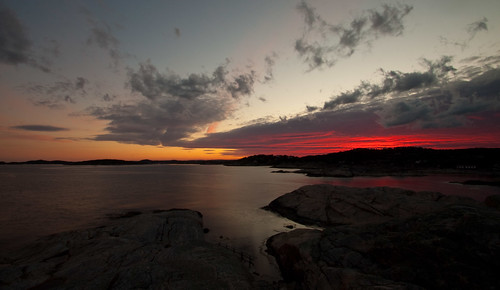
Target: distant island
[357,162]
[381,162]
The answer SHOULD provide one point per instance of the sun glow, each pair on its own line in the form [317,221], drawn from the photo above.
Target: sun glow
[87,150]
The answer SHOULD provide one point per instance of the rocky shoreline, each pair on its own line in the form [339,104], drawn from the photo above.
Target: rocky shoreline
[399,161]
[159,250]
[366,238]
[387,238]
[346,172]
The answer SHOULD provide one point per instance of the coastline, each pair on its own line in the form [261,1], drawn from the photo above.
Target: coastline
[285,227]
[387,238]
[168,238]
[161,249]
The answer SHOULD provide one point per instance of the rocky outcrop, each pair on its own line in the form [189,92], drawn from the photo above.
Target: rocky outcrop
[385,238]
[329,205]
[454,248]
[161,250]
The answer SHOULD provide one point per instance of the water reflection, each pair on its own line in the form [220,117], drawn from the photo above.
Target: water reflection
[446,184]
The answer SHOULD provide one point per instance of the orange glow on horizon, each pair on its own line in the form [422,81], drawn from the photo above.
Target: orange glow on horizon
[330,142]
[19,146]
[34,149]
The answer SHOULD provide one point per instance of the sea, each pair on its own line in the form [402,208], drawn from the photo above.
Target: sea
[38,200]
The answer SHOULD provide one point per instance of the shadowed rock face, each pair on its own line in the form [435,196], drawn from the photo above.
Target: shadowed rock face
[390,239]
[493,201]
[454,248]
[329,205]
[162,250]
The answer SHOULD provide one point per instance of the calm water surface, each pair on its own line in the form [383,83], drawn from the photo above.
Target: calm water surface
[37,200]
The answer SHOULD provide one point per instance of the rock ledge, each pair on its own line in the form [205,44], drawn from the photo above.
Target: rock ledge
[384,238]
[328,205]
[161,250]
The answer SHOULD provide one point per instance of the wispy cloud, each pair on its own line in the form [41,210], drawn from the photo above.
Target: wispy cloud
[56,95]
[309,14]
[476,27]
[323,43]
[108,97]
[270,62]
[472,30]
[15,45]
[101,35]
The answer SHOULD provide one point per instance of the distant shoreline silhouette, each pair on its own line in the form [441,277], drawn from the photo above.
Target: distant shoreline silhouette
[355,162]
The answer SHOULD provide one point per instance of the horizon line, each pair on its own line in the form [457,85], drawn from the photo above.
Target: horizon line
[227,160]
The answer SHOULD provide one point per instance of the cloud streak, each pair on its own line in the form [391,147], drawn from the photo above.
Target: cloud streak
[40,128]
[58,94]
[323,43]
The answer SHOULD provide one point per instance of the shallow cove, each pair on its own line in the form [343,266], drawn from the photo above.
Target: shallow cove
[38,200]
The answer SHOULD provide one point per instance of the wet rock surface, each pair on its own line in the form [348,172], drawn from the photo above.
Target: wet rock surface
[453,245]
[161,250]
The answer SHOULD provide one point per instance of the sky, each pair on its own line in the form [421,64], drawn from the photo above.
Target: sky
[221,79]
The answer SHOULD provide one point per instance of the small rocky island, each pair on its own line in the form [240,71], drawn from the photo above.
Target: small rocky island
[387,238]
[160,250]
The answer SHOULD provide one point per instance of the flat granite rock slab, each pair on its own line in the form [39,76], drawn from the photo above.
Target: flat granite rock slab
[329,205]
[383,238]
[161,250]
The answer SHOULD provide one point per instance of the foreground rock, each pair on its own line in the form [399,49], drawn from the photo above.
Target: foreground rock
[162,250]
[390,239]
[493,201]
[329,205]
[454,248]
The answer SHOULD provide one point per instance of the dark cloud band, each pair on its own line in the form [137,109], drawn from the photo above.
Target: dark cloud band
[40,128]
[438,98]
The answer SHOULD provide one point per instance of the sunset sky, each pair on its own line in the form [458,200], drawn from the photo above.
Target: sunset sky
[225,79]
